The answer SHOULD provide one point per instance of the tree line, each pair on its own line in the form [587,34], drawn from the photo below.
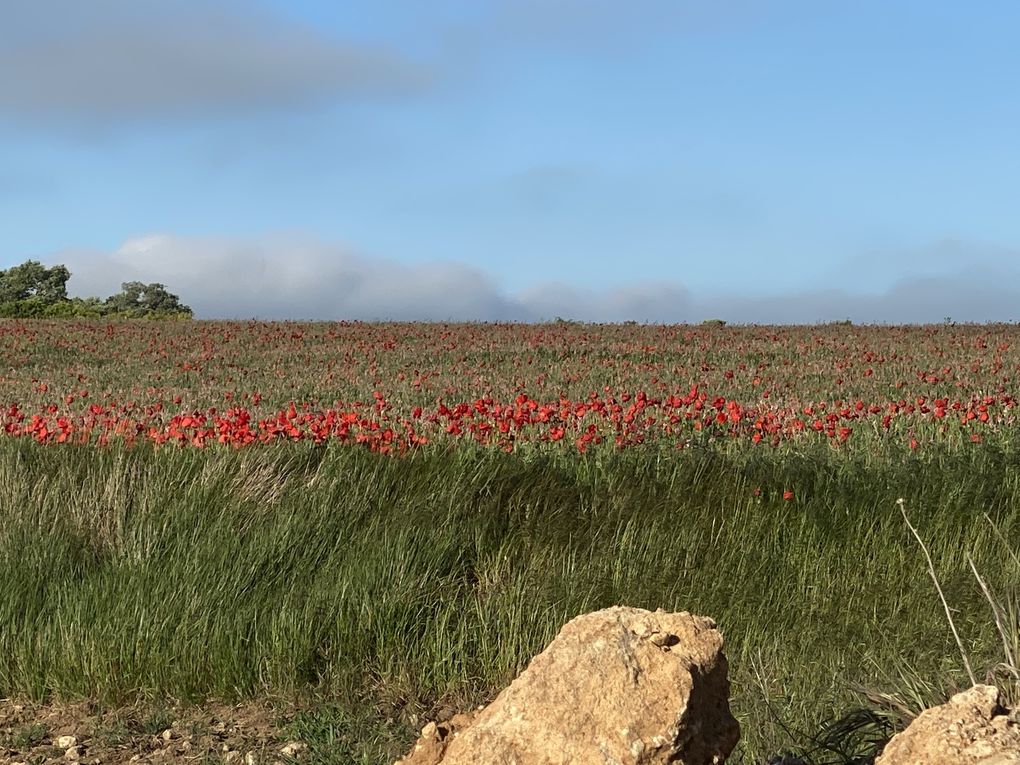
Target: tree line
[32,290]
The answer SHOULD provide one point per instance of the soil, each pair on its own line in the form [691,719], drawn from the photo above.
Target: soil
[244,734]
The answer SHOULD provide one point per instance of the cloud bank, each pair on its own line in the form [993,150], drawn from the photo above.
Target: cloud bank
[106,61]
[291,277]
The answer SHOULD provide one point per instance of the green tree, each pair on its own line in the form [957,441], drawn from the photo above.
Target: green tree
[146,300]
[31,290]
[33,281]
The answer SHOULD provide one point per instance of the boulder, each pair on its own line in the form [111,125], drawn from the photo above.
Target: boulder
[621,686]
[972,728]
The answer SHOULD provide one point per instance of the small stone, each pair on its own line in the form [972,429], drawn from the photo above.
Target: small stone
[292,748]
[72,754]
[65,742]
[250,759]
[167,734]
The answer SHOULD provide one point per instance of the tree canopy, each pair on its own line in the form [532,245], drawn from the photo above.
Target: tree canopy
[33,290]
[32,280]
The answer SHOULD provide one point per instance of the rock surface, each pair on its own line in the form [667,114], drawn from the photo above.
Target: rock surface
[621,686]
[972,728]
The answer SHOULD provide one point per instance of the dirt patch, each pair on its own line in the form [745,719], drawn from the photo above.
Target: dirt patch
[85,732]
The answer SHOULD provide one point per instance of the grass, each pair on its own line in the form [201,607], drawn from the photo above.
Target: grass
[384,588]
[343,734]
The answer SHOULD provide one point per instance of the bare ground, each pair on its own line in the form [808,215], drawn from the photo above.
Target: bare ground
[85,732]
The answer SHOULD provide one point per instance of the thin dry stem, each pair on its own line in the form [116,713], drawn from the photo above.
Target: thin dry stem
[938,588]
[996,612]
[1005,543]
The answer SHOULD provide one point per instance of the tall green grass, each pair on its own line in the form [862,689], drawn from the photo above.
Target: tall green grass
[402,584]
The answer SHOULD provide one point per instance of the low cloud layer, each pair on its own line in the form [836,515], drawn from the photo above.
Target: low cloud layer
[107,61]
[287,277]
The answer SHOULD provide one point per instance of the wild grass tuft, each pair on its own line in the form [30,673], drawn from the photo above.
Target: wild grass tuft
[388,588]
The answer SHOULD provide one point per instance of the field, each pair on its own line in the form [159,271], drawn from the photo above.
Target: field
[376,522]
[394,387]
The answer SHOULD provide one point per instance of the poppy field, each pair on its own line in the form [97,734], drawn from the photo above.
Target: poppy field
[381,523]
[392,388]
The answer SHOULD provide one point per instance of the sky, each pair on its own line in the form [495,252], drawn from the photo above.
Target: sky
[781,161]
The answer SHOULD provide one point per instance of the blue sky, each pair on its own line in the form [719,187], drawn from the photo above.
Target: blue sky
[520,159]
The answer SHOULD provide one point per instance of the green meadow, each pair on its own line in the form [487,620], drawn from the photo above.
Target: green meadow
[382,591]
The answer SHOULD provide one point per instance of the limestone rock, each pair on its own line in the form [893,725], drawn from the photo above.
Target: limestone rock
[972,728]
[621,686]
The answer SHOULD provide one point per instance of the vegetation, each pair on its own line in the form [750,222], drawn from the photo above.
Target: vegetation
[554,387]
[387,585]
[31,290]
[403,585]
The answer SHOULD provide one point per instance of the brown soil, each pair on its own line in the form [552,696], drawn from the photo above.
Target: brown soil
[244,734]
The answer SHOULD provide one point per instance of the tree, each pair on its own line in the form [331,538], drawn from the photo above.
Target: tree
[33,281]
[33,290]
[140,300]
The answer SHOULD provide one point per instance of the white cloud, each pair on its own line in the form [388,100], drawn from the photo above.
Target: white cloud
[288,277]
[295,277]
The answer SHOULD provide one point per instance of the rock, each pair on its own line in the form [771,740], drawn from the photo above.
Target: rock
[1004,758]
[621,686]
[972,728]
[292,748]
[434,739]
[65,742]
